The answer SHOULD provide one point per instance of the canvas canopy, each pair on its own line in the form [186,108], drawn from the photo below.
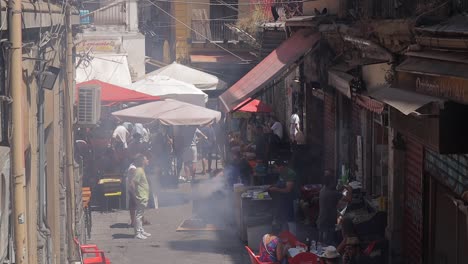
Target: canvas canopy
[167,87]
[111,93]
[169,112]
[199,79]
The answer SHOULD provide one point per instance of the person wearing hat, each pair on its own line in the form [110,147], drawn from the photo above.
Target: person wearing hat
[330,256]
[283,195]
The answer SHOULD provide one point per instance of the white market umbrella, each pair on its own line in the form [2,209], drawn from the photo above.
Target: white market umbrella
[169,88]
[202,80]
[169,112]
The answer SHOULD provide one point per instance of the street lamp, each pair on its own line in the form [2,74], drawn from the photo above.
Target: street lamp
[48,77]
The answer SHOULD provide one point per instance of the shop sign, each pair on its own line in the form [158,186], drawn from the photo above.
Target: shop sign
[452,88]
[99,45]
[318,93]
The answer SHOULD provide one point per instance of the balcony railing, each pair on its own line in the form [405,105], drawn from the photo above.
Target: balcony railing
[105,16]
[213,30]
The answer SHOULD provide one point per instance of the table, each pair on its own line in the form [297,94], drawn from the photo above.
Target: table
[298,256]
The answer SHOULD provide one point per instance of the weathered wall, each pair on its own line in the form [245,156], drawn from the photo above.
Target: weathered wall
[183,14]
[130,43]
[134,46]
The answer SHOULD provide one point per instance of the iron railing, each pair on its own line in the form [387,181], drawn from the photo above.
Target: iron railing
[402,8]
[113,15]
[215,30]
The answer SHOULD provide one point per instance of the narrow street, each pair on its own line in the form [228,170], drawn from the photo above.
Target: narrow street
[112,234]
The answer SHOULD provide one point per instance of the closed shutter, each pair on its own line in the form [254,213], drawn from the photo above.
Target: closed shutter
[413,207]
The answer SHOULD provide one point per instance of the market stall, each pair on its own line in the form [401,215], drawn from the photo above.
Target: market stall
[182,117]
[112,98]
[92,141]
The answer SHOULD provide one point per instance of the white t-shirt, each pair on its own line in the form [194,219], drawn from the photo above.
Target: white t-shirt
[277,129]
[294,124]
[140,129]
[121,134]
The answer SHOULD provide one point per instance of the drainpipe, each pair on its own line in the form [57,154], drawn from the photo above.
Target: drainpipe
[17,143]
[68,130]
[42,181]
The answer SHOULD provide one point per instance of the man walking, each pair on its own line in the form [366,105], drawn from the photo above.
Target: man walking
[139,187]
[294,126]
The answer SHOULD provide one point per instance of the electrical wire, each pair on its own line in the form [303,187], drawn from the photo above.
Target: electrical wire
[196,32]
[228,5]
[219,4]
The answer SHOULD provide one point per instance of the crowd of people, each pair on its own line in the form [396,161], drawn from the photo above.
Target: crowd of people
[347,251]
[261,140]
[143,156]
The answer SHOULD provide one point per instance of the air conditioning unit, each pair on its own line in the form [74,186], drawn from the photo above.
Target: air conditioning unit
[89,104]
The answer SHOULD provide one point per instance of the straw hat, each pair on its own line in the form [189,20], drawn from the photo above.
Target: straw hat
[330,253]
[352,241]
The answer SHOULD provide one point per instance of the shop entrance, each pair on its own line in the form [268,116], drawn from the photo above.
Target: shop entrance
[450,234]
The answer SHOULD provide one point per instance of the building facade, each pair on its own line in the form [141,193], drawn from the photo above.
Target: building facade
[393,107]
[111,39]
[50,218]
[382,94]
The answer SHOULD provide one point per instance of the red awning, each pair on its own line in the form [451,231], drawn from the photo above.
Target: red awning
[253,106]
[269,68]
[111,94]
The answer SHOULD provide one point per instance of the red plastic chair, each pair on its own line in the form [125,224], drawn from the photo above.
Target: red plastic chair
[98,256]
[287,237]
[254,258]
[304,258]
[369,248]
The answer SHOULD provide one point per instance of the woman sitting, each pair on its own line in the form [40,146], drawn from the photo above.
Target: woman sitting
[347,230]
[271,248]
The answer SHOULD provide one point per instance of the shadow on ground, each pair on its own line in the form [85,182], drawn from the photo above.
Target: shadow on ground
[223,244]
[122,236]
[120,225]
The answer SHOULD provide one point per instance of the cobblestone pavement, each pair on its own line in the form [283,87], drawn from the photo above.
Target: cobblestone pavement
[112,234]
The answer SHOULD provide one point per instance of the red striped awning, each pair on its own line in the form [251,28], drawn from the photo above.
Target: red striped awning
[369,103]
[269,68]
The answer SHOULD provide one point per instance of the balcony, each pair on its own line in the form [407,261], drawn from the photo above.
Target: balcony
[114,14]
[213,30]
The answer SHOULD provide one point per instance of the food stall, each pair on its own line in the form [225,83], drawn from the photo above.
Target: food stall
[170,112]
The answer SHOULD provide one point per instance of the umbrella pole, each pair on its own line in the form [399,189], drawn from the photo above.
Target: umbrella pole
[176,159]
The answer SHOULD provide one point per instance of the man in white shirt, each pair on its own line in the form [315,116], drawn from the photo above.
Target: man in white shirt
[142,131]
[277,128]
[276,137]
[120,136]
[294,125]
